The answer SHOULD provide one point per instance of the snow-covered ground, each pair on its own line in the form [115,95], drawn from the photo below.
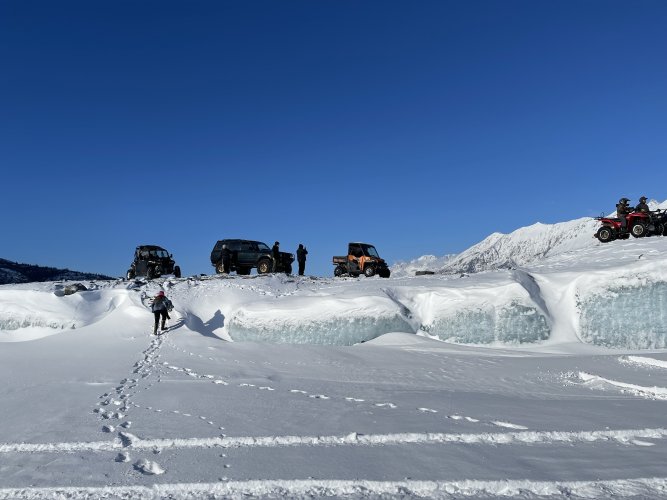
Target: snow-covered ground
[540,380]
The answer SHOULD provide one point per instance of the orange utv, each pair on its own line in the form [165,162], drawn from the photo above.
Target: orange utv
[361,258]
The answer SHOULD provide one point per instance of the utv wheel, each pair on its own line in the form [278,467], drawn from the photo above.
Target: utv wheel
[219,268]
[150,273]
[288,269]
[605,234]
[339,271]
[639,230]
[385,273]
[130,274]
[158,271]
[264,266]
[369,272]
[177,271]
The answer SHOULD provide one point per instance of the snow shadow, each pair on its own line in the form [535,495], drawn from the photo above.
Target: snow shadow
[195,323]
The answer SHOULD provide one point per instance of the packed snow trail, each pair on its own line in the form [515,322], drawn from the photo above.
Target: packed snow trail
[650,487]
[128,441]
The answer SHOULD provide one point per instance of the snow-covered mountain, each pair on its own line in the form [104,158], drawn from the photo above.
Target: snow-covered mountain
[525,246]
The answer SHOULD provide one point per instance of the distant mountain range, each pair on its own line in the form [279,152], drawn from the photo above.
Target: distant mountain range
[525,246]
[13,272]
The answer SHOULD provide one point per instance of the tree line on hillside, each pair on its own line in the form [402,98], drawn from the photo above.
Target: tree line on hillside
[14,272]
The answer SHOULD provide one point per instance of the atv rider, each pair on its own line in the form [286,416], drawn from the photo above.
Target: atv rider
[642,207]
[622,210]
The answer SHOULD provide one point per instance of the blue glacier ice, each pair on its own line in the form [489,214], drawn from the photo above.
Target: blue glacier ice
[632,317]
[513,323]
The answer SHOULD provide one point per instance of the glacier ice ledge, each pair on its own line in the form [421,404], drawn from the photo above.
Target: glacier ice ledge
[626,316]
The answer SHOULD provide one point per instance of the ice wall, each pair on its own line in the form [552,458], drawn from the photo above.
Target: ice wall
[333,330]
[632,317]
[513,323]
[332,320]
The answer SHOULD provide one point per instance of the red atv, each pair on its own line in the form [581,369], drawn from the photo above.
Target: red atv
[639,224]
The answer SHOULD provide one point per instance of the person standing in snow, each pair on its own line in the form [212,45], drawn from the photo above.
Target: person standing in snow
[275,251]
[161,307]
[622,210]
[301,253]
[643,206]
[226,259]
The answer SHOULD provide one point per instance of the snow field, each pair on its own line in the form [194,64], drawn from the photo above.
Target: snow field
[527,399]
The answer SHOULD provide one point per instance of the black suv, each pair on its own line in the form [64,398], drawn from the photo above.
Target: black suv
[152,261]
[247,254]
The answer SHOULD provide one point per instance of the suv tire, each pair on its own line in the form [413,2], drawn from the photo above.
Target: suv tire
[264,266]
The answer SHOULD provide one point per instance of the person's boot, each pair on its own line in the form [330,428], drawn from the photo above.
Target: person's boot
[155,330]
[164,326]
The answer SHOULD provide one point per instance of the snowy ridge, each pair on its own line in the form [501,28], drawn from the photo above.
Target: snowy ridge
[612,295]
[525,246]
[423,263]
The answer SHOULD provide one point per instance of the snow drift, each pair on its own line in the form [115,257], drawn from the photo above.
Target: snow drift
[612,295]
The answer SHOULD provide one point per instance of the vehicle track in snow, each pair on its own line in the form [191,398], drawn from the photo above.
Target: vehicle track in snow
[597,382]
[649,487]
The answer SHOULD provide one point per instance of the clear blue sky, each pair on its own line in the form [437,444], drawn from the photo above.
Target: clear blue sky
[421,127]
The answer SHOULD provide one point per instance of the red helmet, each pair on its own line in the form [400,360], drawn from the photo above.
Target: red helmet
[160,293]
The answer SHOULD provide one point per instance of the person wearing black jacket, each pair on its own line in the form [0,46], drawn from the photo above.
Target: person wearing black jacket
[643,206]
[275,251]
[226,259]
[622,210]
[301,253]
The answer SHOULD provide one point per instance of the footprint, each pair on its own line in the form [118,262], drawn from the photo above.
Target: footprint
[148,467]
[382,405]
[509,425]
[427,410]
[318,396]
[356,400]
[297,391]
